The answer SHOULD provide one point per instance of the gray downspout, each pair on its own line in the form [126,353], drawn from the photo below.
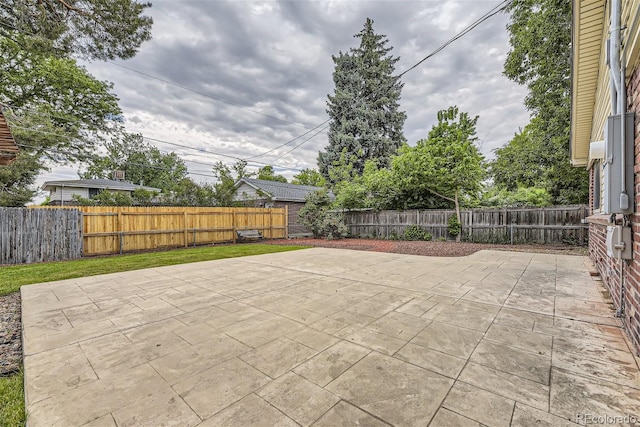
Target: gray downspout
[614,55]
[618,72]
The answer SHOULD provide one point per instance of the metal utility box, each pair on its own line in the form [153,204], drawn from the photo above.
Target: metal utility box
[619,242]
[612,165]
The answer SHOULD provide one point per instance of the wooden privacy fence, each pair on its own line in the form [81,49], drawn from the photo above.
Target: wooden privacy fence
[553,225]
[109,230]
[37,235]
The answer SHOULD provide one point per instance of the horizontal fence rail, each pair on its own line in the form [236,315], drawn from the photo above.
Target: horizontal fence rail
[553,225]
[112,230]
[39,235]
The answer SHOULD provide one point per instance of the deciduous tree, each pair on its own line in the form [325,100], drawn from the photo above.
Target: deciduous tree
[141,162]
[540,58]
[224,189]
[519,162]
[309,176]
[268,174]
[447,164]
[93,29]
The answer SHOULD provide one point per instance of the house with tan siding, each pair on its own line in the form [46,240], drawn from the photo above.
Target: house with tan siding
[605,139]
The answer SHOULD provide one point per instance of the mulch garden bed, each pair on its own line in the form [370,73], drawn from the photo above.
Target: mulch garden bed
[429,248]
[10,334]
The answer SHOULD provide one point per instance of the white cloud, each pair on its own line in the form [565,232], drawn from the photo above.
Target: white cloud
[274,58]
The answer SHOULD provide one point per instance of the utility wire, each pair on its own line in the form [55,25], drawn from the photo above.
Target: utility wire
[215,98]
[55,150]
[161,141]
[494,11]
[303,142]
[290,141]
[48,114]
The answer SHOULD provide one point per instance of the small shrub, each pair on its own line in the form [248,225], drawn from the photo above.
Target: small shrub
[314,212]
[442,239]
[453,225]
[415,232]
[333,226]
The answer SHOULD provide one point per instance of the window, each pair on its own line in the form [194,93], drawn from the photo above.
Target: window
[597,184]
[93,192]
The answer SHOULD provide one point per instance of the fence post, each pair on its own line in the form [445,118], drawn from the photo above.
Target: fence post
[81,227]
[511,233]
[186,231]
[286,221]
[233,224]
[544,230]
[120,233]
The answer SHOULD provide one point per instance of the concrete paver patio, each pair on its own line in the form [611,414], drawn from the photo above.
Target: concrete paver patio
[328,337]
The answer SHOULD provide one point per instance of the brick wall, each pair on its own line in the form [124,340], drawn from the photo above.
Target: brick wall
[609,268]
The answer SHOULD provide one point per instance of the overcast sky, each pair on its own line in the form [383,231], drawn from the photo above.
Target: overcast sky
[274,58]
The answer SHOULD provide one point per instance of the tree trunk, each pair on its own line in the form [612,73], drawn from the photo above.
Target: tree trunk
[457,202]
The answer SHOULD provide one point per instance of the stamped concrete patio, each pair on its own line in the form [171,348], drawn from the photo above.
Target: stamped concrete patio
[330,337]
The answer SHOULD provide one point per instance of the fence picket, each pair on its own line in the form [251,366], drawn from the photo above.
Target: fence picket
[33,235]
[551,225]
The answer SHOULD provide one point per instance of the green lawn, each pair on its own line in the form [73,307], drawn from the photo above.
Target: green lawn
[12,400]
[12,277]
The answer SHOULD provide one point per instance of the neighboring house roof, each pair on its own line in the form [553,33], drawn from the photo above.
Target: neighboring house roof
[8,146]
[106,184]
[280,191]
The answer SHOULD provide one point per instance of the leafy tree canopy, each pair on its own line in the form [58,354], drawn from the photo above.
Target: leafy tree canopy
[92,29]
[186,192]
[224,189]
[309,176]
[443,171]
[366,123]
[520,197]
[540,58]
[139,197]
[267,173]
[447,164]
[142,163]
[57,111]
[519,162]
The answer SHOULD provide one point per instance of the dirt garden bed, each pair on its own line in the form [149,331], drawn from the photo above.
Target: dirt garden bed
[430,248]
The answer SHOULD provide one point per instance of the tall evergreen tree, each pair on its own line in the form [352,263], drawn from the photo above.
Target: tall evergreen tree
[365,119]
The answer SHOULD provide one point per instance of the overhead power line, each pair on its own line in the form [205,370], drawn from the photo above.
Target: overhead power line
[492,12]
[49,114]
[55,150]
[291,140]
[161,141]
[215,98]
